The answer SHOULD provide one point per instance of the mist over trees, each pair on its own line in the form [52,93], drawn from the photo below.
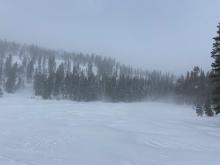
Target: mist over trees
[64,75]
[82,77]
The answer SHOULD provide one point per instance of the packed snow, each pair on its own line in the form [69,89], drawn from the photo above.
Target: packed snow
[46,132]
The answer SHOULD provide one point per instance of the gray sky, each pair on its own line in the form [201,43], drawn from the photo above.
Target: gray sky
[170,35]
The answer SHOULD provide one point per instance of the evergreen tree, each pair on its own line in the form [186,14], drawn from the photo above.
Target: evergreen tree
[8,65]
[92,88]
[49,85]
[51,65]
[216,72]
[47,88]
[1,69]
[93,77]
[59,81]
[207,109]
[39,79]
[199,110]
[11,79]
[30,70]
[1,92]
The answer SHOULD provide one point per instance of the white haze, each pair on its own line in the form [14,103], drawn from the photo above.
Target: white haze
[153,34]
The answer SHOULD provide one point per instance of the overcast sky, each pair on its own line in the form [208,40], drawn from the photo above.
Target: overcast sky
[170,35]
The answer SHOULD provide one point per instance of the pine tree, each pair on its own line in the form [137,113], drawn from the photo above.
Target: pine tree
[1,92]
[199,110]
[8,65]
[92,88]
[1,69]
[51,65]
[49,85]
[11,79]
[39,79]
[30,70]
[59,81]
[207,109]
[216,72]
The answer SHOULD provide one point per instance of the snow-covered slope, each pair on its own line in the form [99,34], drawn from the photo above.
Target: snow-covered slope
[39,132]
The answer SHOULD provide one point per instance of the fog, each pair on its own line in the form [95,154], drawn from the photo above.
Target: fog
[152,34]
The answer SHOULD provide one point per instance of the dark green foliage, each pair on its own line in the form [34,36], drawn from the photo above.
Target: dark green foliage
[83,77]
[49,83]
[8,65]
[86,86]
[10,85]
[1,69]
[92,86]
[51,65]
[199,110]
[194,87]
[1,92]
[59,80]
[30,70]
[39,84]
[207,109]
[216,72]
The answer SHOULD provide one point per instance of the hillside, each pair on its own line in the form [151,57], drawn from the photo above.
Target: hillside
[61,75]
[77,76]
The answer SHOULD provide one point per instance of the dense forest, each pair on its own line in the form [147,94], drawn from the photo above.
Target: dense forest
[82,77]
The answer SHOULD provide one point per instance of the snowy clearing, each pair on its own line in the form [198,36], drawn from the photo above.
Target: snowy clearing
[39,132]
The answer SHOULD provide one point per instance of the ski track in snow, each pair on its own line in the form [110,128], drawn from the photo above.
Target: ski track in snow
[45,132]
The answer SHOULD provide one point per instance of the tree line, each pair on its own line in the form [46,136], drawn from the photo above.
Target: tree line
[76,76]
[81,77]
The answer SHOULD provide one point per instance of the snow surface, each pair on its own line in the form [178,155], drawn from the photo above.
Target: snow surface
[39,132]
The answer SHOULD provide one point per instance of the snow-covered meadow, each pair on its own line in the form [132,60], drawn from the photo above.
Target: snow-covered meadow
[39,132]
